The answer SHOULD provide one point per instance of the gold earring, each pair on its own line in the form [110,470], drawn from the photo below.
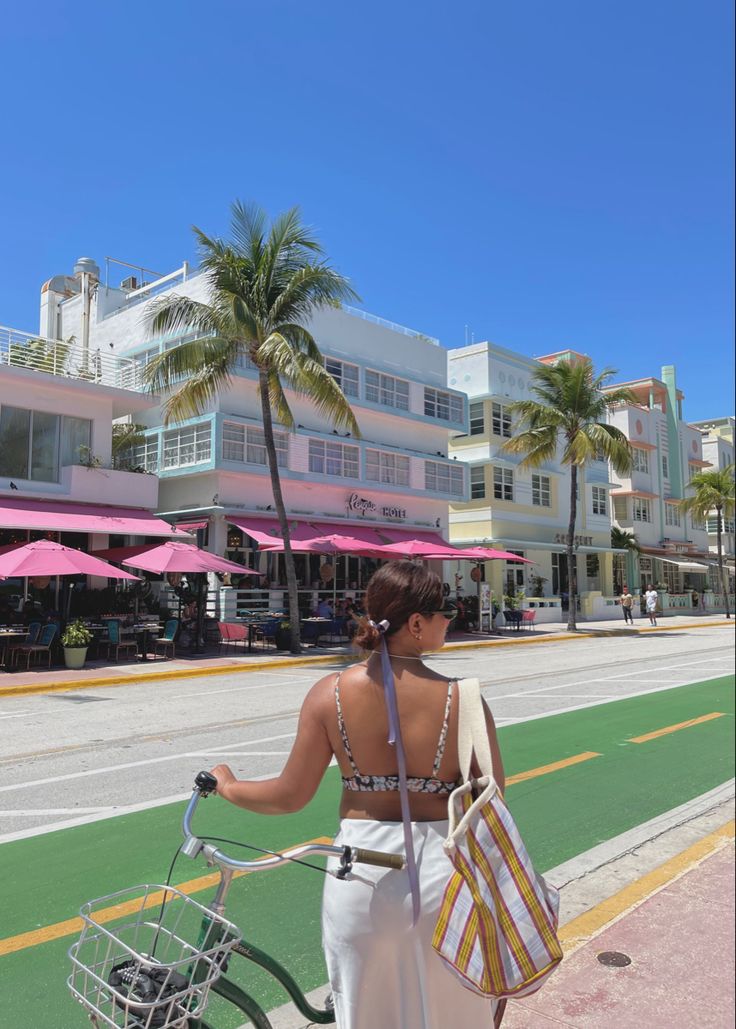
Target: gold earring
[417,635]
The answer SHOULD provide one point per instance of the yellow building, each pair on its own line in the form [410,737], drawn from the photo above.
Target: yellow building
[525,511]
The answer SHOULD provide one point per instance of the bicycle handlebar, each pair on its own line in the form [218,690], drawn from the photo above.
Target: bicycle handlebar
[205,783]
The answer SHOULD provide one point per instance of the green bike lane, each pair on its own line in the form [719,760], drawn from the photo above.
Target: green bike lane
[561,813]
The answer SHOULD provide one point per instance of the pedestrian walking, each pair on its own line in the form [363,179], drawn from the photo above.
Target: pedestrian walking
[650,599]
[627,606]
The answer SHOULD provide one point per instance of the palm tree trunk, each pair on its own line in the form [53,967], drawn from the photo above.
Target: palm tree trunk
[572,577]
[278,500]
[719,541]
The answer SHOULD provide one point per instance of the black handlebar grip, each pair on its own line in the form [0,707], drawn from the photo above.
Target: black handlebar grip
[378,857]
[205,783]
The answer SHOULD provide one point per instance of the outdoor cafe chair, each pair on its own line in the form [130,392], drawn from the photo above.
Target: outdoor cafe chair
[232,633]
[528,619]
[167,640]
[114,641]
[42,645]
[266,631]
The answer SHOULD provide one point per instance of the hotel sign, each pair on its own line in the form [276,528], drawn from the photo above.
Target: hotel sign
[364,505]
[578,541]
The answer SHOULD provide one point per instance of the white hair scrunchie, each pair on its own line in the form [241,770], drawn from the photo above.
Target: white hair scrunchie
[381,626]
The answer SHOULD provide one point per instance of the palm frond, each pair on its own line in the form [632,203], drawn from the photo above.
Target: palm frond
[175,315]
[538,445]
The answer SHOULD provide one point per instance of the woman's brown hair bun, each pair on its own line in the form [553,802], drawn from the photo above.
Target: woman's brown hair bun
[395,592]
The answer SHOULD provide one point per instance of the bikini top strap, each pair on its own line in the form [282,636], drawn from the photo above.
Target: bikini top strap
[443,732]
[341,727]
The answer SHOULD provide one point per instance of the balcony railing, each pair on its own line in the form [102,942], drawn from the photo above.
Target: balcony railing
[68,359]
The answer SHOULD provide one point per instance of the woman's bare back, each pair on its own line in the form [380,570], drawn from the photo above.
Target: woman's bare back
[422,702]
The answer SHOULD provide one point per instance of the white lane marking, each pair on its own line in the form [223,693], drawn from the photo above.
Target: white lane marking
[603,696]
[114,812]
[34,812]
[17,714]
[239,689]
[596,702]
[582,682]
[137,764]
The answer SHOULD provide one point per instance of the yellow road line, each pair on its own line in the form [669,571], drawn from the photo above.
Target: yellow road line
[576,759]
[675,728]
[71,926]
[590,923]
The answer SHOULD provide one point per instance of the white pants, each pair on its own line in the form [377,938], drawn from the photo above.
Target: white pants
[384,974]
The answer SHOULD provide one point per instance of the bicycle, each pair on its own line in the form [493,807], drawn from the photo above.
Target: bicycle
[147,974]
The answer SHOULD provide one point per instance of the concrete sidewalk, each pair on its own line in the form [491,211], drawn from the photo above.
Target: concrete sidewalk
[103,673]
[667,961]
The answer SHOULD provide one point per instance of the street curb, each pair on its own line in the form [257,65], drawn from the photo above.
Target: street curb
[582,929]
[306,660]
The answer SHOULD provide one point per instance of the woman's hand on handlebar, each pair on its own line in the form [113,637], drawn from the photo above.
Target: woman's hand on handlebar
[225,779]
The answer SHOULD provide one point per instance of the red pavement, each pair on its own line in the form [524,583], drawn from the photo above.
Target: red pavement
[681,944]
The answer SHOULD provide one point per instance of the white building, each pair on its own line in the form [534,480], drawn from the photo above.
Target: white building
[718,449]
[57,480]
[525,511]
[396,479]
[667,453]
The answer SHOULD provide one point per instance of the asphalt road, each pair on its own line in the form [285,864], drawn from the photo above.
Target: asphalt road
[71,758]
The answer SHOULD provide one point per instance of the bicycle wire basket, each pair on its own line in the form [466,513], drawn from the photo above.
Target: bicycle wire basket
[153,966]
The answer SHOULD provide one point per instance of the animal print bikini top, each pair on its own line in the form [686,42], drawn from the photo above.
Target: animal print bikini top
[380,783]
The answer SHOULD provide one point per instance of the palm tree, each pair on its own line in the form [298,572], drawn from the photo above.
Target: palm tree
[265,283]
[714,491]
[125,437]
[570,410]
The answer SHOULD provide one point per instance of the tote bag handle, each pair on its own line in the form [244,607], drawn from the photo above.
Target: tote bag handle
[472,734]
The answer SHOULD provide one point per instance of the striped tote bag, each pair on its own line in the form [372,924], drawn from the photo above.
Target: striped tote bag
[497,927]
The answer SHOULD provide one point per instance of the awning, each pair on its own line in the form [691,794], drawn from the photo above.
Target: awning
[192,526]
[684,564]
[63,516]
[266,530]
[641,493]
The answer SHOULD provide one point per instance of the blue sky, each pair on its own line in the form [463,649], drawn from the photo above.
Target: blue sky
[549,175]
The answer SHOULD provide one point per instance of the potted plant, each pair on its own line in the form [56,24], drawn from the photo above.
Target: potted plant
[283,636]
[75,641]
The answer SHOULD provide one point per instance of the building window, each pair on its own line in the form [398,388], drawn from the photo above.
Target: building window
[383,467]
[503,484]
[671,576]
[727,524]
[445,406]
[188,446]
[671,514]
[477,419]
[665,467]
[600,501]
[36,444]
[477,482]
[247,444]
[345,375]
[642,510]
[444,478]
[640,459]
[501,420]
[386,390]
[541,491]
[592,566]
[697,522]
[694,469]
[620,510]
[329,458]
[145,455]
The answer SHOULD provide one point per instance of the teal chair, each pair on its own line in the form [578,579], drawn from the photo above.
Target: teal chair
[167,640]
[115,643]
[42,645]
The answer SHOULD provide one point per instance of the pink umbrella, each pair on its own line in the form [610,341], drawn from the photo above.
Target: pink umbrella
[420,548]
[183,557]
[44,557]
[333,543]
